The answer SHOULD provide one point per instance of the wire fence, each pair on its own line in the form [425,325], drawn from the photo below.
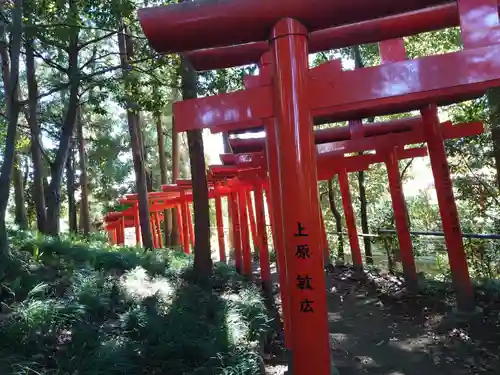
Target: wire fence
[430,251]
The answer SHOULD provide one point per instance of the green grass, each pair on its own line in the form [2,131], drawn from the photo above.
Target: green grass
[81,307]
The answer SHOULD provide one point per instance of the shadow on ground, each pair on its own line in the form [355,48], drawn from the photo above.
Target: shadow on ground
[375,331]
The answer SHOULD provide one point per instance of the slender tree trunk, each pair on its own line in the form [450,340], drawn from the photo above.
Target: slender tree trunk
[12,108]
[70,187]
[167,216]
[202,251]
[35,144]
[57,168]
[338,221]
[84,183]
[494,112]
[21,217]
[145,154]
[364,216]
[126,54]
[174,237]
[184,168]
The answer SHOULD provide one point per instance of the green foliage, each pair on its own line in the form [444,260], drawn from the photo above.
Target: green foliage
[89,308]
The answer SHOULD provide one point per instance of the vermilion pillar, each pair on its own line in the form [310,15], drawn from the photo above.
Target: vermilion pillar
[158,229]
[230,221]
[180,227]
[137,225]
[245,238]
[448,209]
[220,227]
[265,271]
[190,225]
[121,231]
[185,223]
[401,219]
[350,219]
[300,201]
[251,219]
[113,236]
[238,261]
[276,217]
[152,225]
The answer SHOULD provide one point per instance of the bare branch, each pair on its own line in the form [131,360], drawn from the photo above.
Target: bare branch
[96,40]
[50,63]
[96,58]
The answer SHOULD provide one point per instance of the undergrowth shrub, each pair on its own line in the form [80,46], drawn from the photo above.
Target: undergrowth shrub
[82,307]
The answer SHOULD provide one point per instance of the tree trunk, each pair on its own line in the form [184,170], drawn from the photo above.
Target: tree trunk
[364,216]
[70,187]
[12,109]
[174,236]
[21,217]
[126,54]
[57,168]
[184,167]
[202,251]
[338,221]
[494,112]
[84,202]
[145,154]
[167,216]
[35,144]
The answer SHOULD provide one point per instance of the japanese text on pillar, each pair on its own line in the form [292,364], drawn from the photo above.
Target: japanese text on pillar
[304,282]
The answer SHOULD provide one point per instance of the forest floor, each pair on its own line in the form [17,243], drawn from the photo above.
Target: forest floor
[377,328]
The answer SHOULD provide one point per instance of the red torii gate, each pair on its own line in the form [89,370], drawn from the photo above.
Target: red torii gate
[356,138]
[241,180]
[397,87]
[329,166]
[332,164]
[391,51]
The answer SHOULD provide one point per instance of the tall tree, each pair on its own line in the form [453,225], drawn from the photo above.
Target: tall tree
[70,190]
[21,217]
[167,217]
[174,237]
[84,183]
[126,55]
[35,133]
[12,108]
[202,251]
[338,221]
[73,74]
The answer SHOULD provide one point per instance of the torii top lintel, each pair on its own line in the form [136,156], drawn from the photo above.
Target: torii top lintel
[370,31]
[207,24]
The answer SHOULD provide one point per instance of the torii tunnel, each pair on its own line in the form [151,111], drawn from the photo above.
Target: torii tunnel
[289,98]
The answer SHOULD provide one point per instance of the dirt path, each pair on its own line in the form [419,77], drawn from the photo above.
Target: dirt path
[374,333]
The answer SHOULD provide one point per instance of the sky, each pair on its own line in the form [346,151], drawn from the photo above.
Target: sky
[420,168]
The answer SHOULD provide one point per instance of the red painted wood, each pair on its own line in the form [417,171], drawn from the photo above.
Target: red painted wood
[220,228]
[380,90]
[370,31]
[300,201]
[265,271]
[226,23]
[448,210]
[350,219]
